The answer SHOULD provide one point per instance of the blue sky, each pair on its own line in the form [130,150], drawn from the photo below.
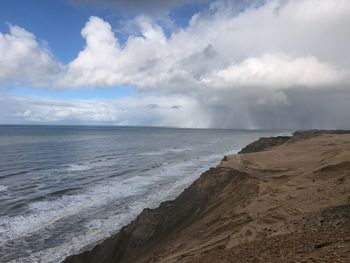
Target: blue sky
[58,23]
[183,63]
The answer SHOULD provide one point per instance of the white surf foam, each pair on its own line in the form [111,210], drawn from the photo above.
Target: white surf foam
[89,165]
[169,180]
[75,167]
[287,133]
[166,151]
[3,188]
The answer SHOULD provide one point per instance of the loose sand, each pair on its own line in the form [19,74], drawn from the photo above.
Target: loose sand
[290,203]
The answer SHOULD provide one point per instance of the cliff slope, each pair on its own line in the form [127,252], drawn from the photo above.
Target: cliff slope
[289,202]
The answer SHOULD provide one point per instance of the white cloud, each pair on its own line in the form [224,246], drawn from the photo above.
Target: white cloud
[23,59]
[276,71]
[177,111]
[277,45]
[249,69]
[280,44]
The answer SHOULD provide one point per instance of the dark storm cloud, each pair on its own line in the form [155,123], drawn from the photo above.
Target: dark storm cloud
[136,6]
[152,106]
[326,108]
[226,70]
[155,7]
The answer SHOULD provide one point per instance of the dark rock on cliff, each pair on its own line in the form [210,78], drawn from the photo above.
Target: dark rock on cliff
[318,132]
[264,144]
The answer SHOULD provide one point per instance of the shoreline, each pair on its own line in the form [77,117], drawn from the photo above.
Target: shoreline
[154,229]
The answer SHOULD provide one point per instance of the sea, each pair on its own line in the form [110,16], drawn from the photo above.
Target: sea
[64,188]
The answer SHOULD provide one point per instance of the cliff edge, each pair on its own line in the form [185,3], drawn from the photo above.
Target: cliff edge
[283,200]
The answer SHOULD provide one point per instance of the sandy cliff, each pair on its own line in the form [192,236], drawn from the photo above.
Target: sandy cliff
[287,200]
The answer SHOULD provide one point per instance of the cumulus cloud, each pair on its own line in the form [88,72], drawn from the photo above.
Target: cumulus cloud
[277,71]
[279,44]
[24,60]
[241,69]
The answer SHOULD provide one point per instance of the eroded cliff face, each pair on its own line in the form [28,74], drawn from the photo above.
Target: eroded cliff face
[152,225]
[288,202]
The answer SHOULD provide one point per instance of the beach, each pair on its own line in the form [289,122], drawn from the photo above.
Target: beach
[165,131]
[285,201]
[65,188]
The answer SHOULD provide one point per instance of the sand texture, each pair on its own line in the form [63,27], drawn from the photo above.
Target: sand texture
[286,203]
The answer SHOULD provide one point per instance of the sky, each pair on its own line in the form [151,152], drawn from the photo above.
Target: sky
[247,64]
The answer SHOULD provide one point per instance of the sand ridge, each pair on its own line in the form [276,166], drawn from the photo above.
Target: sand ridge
[290,203]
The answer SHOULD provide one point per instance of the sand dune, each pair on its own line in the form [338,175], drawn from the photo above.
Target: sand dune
[288,202]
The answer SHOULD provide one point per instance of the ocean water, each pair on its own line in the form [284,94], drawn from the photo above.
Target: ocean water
[63,188]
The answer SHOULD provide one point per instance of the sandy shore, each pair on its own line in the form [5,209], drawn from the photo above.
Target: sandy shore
[285,201]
